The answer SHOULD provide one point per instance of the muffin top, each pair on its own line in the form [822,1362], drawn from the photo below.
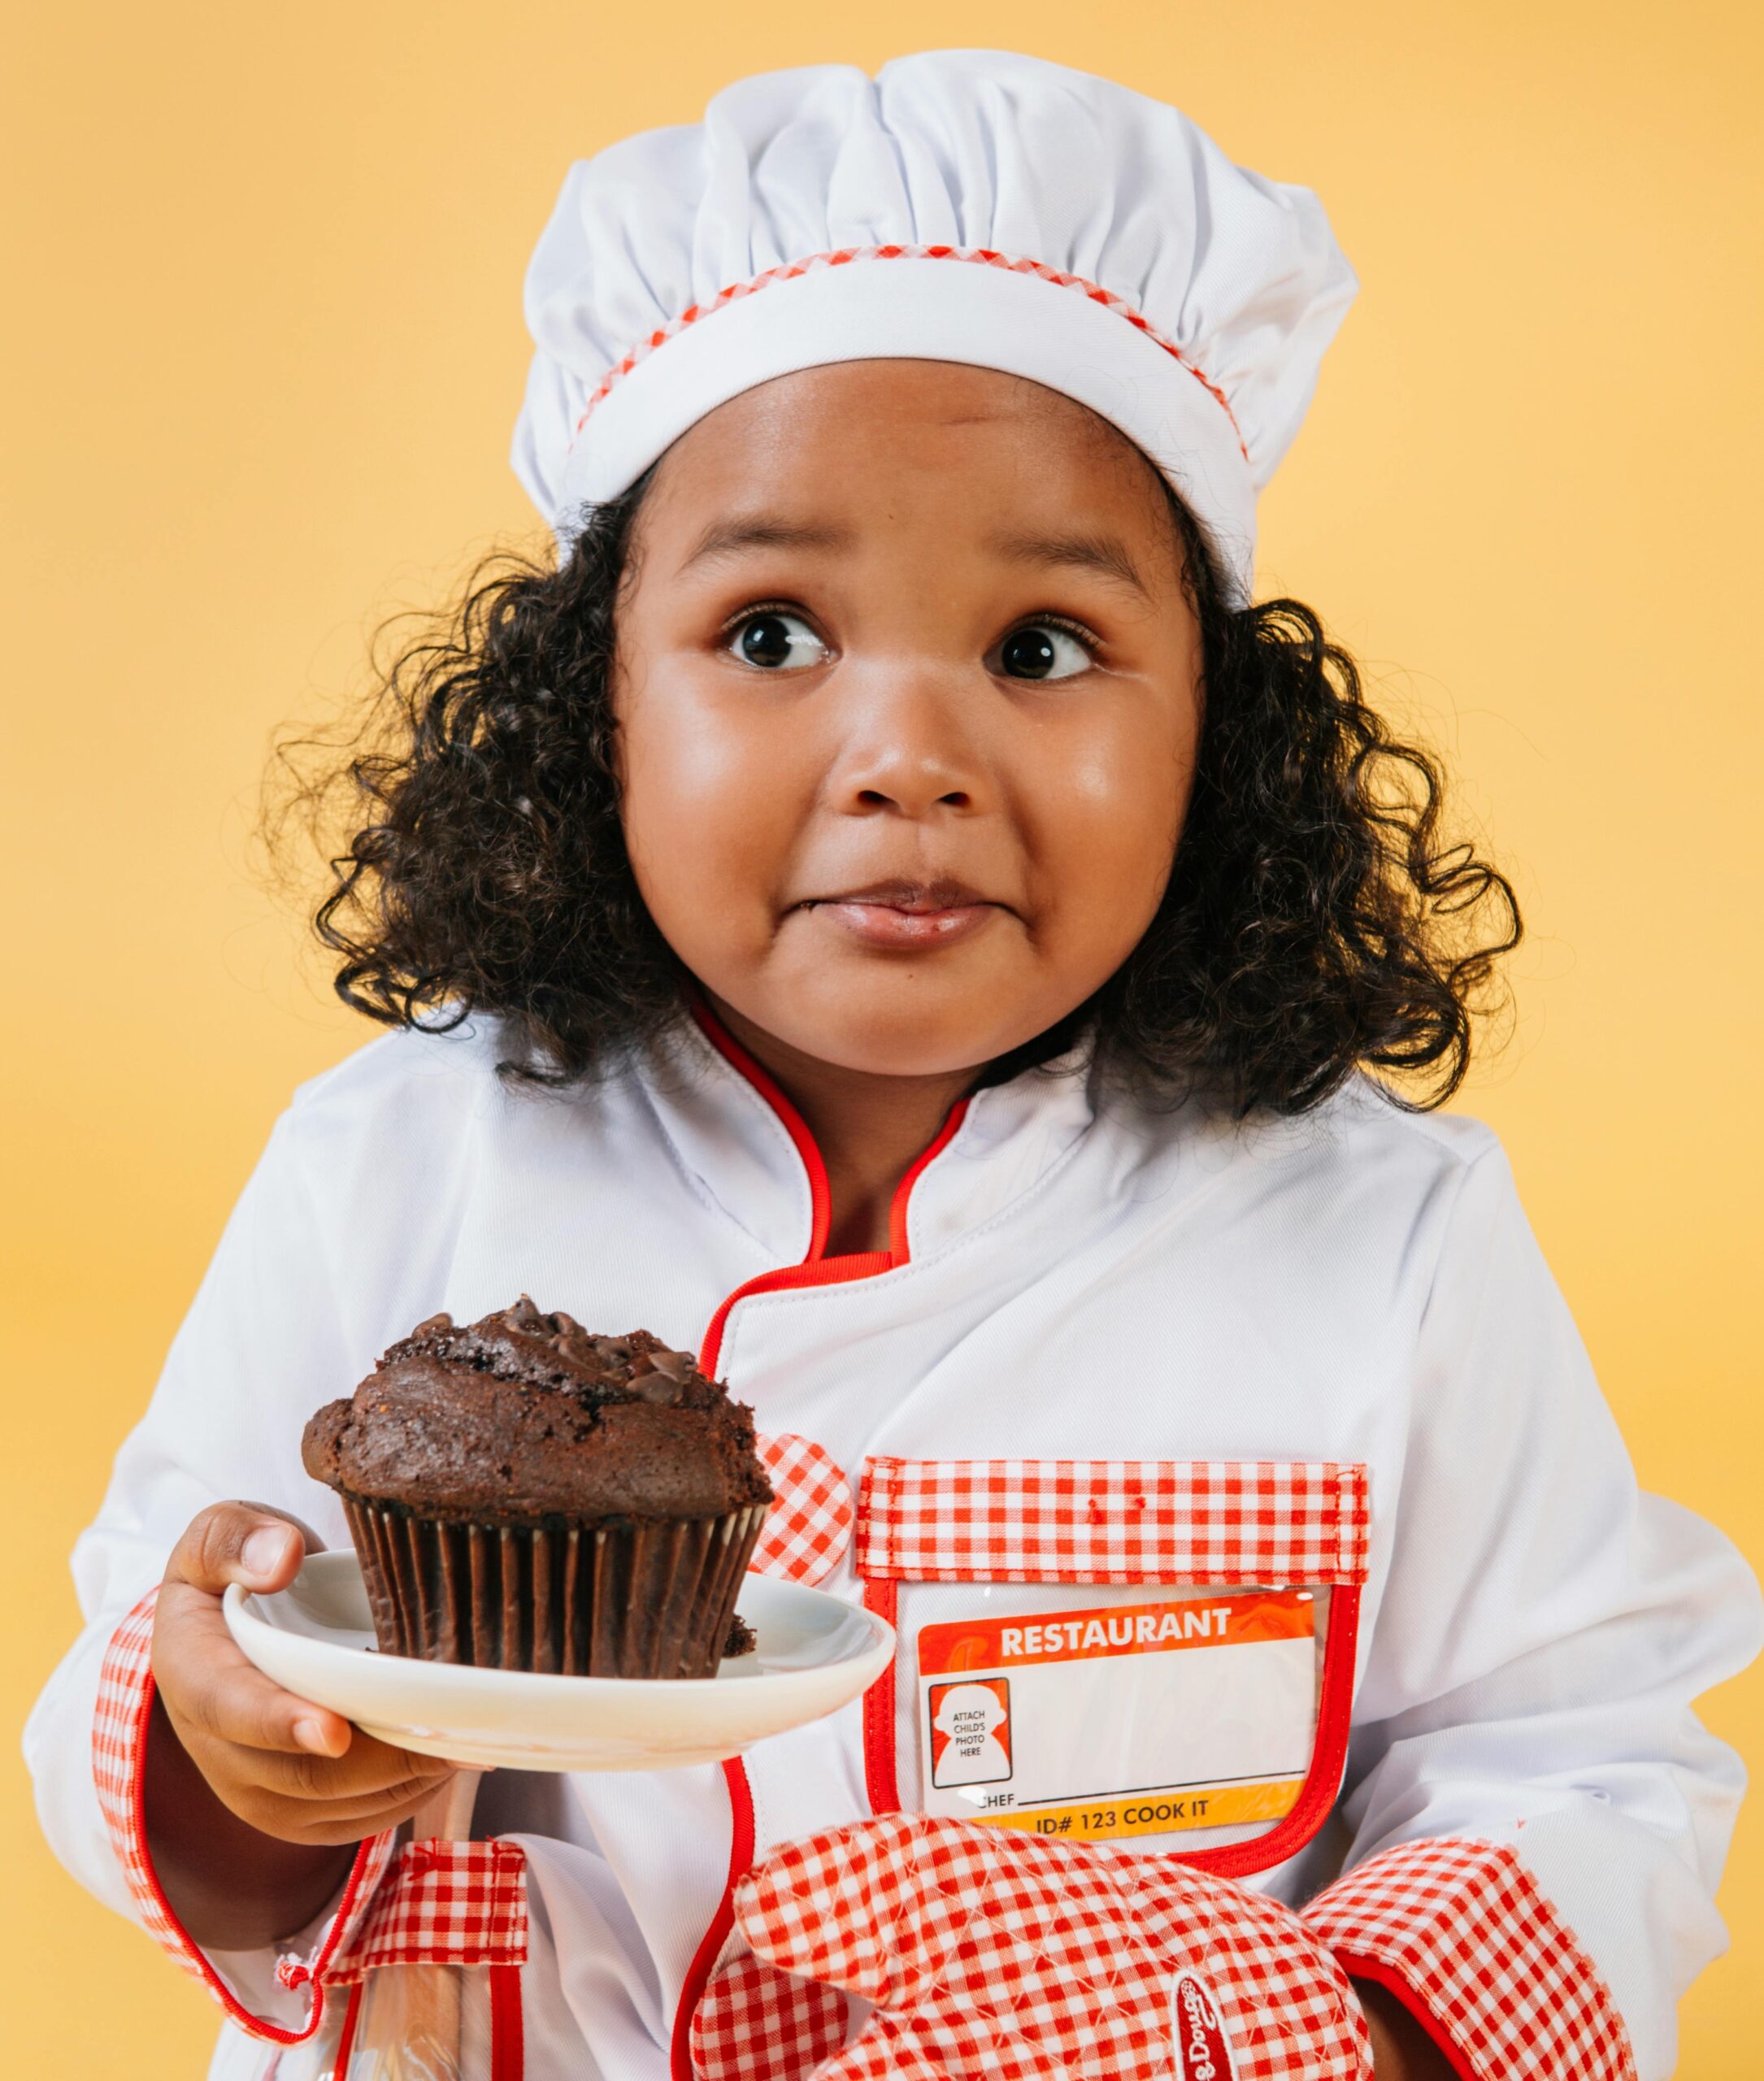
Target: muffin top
[523,1416]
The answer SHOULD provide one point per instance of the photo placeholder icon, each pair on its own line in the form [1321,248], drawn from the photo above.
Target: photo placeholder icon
[971,1732]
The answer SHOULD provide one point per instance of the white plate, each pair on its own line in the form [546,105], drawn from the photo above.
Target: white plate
[815,1653]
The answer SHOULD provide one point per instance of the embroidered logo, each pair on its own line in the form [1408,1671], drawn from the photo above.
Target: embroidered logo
[1203,2052]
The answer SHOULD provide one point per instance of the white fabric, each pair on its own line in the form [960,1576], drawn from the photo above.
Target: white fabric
[1087,1281]
[980,150]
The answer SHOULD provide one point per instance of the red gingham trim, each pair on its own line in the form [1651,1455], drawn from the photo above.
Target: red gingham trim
[1003,1954]
[978,255]
[1460,1931]
[808,1528]
[445,1904]
[710,1944]
[118,1763]
[755,2022]
[1113,1521]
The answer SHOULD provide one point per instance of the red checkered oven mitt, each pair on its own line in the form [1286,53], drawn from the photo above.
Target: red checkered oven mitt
[990,1953]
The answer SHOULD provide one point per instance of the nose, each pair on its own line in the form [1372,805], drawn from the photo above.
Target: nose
[908,745]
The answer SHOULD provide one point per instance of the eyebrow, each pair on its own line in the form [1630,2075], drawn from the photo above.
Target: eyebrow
[763,532]
[1105,554]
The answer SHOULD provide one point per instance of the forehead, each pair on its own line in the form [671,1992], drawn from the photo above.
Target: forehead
[897,443]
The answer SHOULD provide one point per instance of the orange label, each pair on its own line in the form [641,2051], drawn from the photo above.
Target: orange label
[1158,1812]
[1131,1629]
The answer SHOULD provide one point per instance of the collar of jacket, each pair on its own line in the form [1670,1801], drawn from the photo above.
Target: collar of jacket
[750,1154]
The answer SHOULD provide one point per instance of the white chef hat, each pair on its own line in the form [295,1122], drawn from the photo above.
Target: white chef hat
[964,206]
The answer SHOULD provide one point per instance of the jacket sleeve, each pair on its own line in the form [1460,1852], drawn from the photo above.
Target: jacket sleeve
[1539,1819]
[259,1349]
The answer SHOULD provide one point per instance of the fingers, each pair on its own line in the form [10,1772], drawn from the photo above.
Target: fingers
[212,1692]
[288,1767]
[208,1684]
[406,1793]
[370,1770]
[245,1543]
[318,1821]
[343,1821]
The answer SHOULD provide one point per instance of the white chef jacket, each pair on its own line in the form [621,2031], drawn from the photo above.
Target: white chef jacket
[1081,1291]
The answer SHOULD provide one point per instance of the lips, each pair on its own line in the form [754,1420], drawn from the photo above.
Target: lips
[910,915]
[916,897]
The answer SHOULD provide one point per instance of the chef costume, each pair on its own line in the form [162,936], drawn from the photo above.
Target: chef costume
[1275,1602]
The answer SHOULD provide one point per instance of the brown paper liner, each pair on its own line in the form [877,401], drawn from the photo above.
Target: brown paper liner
[623,1599]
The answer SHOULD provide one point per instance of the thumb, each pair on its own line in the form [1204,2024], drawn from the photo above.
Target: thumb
[249,1543]
[872,1907]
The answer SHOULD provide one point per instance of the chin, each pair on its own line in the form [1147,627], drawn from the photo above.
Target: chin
[895,1028]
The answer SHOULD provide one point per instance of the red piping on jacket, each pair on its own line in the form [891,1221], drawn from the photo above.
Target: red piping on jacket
[815,1269]
[277,2033]
[508,2030]
[345,2041]
[881,1779]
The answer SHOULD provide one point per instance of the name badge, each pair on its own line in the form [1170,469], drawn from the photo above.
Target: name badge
[1122,1719]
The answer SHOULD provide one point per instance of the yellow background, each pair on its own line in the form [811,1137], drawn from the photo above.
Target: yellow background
[262,351]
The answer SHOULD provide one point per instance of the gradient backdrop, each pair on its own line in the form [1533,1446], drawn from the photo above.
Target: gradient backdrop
[264,351]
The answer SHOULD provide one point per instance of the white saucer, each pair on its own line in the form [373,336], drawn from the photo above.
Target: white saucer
[815,1653]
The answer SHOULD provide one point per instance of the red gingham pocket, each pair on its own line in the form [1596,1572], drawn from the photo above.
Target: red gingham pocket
[808,1528]
[444,1903]
[929,1529]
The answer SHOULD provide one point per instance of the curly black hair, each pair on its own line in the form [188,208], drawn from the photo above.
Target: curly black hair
[1316,920]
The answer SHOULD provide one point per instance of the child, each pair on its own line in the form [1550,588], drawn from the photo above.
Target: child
[887,908]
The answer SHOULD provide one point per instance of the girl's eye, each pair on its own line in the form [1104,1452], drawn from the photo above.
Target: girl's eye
[1043,651]
[777,642]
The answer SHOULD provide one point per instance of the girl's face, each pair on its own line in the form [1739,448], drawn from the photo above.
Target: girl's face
[908,695]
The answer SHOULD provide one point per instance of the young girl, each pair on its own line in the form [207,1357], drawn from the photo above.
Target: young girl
[887,908]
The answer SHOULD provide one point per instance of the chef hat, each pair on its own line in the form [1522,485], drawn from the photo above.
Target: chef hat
[963,206]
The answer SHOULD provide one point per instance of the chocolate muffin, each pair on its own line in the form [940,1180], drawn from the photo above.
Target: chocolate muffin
[525,1495]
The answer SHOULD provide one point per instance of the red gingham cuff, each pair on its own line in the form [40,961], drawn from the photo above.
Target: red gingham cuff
[1459,1931]
[119,1761]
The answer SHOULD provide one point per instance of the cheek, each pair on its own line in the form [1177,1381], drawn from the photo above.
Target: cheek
[710,807]
[1109,824]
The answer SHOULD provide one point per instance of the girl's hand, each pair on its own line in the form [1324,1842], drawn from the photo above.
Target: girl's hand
[255,1798]
[1402,2050]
